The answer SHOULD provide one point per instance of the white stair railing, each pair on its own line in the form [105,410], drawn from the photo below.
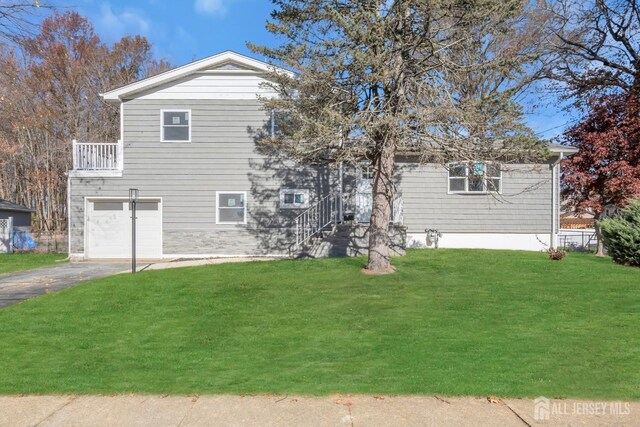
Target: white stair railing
[315,219]
[97,156]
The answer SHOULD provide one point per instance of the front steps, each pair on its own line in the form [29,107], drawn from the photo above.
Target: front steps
[348,239]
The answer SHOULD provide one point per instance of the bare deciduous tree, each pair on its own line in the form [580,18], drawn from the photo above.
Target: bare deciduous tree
[596,45]
[49,95]
[595,52]
[17,17]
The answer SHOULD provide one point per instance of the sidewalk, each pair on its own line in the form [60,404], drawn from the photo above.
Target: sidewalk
[308,411]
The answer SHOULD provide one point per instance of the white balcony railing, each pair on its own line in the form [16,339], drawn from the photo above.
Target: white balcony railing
[96,157]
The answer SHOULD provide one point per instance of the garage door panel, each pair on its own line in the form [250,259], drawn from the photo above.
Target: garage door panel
[109,229]
[149,233]
[106,233]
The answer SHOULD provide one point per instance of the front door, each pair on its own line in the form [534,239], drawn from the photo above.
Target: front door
[364,192]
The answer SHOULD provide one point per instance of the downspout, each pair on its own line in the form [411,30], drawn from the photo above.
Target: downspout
[121,140]
[69,214]
[341,189]
[341,183]
[122,121]
[555,201]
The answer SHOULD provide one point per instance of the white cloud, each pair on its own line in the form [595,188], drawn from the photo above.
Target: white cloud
[213,7]
[115,25]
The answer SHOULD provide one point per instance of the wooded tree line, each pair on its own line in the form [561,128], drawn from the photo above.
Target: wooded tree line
[50,81]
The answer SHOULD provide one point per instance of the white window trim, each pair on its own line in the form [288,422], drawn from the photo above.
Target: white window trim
[466,179]
[360,171]
[244,219]
[284,191]
[272,126]
[174,110]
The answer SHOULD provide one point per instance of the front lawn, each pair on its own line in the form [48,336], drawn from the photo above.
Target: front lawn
[452,322]
[27,261]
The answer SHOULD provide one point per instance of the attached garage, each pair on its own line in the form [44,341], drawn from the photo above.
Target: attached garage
[108,229]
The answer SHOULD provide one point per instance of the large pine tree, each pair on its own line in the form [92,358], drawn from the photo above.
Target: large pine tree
[433,79]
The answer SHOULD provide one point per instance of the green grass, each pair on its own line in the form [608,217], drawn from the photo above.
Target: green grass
[27,261]
[451,322]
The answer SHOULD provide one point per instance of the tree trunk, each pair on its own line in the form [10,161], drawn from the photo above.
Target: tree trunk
[600,243]
[379,250]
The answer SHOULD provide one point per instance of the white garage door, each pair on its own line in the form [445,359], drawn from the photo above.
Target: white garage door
[108,229]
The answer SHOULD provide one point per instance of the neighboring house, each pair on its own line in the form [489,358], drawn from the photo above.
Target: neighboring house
[13,217]
[569,220]
[21,214]
[188,144]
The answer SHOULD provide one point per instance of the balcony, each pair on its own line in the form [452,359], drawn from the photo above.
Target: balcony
[97,159]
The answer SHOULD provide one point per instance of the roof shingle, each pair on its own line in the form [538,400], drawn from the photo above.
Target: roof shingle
[6,205]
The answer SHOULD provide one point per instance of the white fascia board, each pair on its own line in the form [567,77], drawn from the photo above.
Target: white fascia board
[562,149]
[95,173]
[116,95]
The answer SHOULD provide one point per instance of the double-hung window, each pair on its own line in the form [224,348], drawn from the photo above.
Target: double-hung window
[231,207]
[278,121]
[475,177]
[175,125]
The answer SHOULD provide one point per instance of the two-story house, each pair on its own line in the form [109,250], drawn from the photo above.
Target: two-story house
[188,145]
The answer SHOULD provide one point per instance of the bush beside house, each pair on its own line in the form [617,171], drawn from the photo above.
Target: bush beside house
[621,235]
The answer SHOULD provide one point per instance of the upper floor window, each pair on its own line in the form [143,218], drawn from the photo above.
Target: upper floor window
[280,124]
[475,177]
[176,125]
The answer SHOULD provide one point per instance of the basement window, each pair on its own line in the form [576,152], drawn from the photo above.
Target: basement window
[294,199]
[175,125]
[475,178]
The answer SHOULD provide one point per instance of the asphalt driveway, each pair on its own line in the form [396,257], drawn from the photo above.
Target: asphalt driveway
[15,287]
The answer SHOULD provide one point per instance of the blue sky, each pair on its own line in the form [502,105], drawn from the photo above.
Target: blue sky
[181,30]
[184,30]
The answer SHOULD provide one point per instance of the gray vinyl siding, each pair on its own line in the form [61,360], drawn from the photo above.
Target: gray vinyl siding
[222,156]
[523,207]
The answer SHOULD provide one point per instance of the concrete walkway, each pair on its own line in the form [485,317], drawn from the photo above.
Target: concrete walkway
[15,287]
[178,263]
[309,411]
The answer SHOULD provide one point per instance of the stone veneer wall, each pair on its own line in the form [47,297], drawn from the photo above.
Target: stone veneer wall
[353,240]
[359,240]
